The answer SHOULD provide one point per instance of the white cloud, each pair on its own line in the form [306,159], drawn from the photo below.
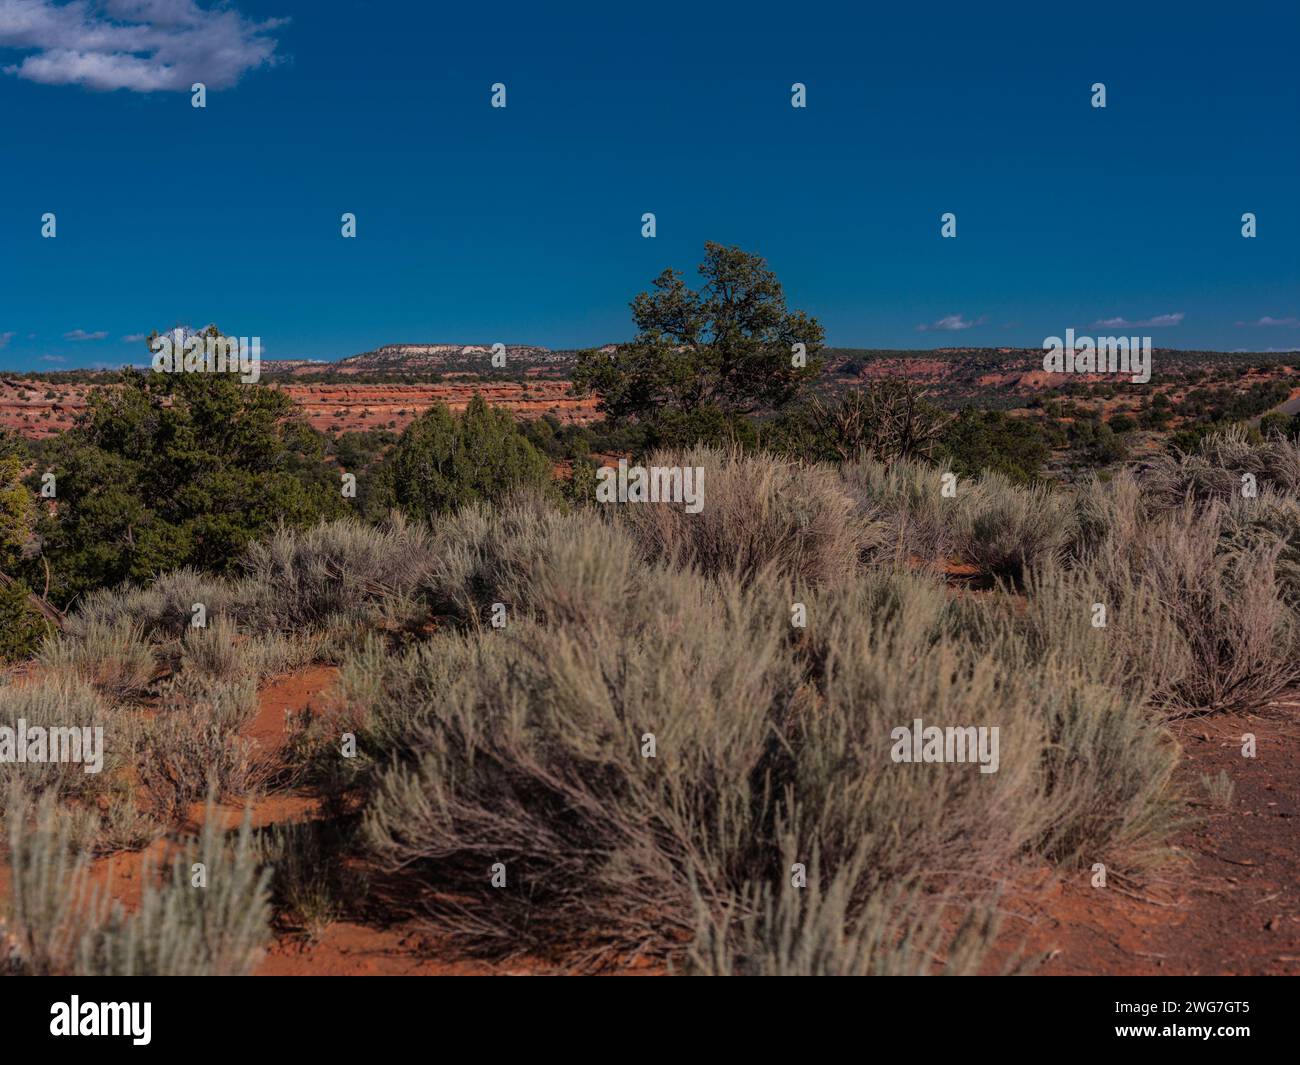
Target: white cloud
[5,338]
[1292,321]
[1145,323]
[141,45]
[81,334]
[950,323]
[53,358]
[134,338]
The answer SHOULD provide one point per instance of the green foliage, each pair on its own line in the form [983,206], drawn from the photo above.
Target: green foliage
[170,470]
[580,489]
[976,441]
[17,513]
[361,454]
[1096,444]
[559,440]
[358,451]
[704,357]
[441,462]
[21,627]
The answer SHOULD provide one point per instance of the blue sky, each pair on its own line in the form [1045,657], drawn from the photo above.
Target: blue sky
[524,225]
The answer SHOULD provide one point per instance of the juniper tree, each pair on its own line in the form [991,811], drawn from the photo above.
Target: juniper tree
[164,470]
[705,358]
[442,462]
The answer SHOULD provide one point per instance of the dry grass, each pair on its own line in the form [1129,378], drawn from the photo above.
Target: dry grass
[193,747]
[57,924]
[759,513]
[113,656]
[525,745]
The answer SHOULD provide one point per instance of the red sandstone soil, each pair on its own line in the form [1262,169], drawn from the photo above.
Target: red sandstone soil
[1230,905]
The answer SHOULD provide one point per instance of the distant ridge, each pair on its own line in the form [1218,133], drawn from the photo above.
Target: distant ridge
[420,358]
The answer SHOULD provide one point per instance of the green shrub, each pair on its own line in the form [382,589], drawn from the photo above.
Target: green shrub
[441,462]
[186,469]
[979,441]
[22,628]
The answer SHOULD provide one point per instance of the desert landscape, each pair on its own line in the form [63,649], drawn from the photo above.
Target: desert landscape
[708,492]
[281,716]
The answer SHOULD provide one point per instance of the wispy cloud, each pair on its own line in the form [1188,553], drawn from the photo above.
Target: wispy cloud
[139,45]
[134,338]
[1291,322]
[6,337]
[81,334]
[53,358]
[950,323]
[1145,323]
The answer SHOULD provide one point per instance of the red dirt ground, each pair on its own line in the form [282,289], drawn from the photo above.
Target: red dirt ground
[1231,903]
